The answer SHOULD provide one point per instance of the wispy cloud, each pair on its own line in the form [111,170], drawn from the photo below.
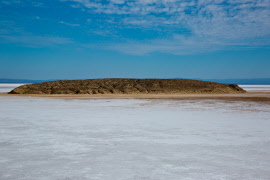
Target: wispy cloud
[213,24]
[182,45]
[35,41]
[11,33]
[68,24]
[10,2]
[174,26]
[22,3]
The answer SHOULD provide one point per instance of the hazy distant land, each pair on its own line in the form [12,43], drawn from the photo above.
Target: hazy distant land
[255,81]
[128,86]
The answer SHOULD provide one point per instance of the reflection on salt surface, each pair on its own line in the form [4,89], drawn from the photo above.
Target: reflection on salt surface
[43,138]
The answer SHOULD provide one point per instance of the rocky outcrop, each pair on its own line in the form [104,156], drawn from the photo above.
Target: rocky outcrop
[128,86]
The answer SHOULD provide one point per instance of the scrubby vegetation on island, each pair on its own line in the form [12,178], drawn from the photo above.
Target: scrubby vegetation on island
[128,86]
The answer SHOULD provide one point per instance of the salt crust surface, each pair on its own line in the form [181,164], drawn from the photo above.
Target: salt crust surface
[46,138]
[4,87]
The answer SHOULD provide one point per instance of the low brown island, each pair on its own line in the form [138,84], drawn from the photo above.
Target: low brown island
[128,86]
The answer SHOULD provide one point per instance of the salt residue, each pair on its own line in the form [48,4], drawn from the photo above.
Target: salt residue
[44,138]
[256,88]
[5,87]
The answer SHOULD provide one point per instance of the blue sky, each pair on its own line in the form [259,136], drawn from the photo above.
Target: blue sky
[80,39]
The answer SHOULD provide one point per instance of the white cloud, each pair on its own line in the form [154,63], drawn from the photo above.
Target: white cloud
[183,45]
[68,24]
[118,1]
[212,24]
[22,3]
[233,19]
[209,25]
[9,2]
[187,13]
[11,33]
[35,41]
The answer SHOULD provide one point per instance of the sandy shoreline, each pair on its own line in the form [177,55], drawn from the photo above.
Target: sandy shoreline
[258,96]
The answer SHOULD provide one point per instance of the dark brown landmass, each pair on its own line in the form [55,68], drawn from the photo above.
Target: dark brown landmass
[128,86]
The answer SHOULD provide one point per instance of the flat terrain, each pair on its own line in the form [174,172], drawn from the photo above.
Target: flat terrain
[64,138]
[135,136]
[256,96]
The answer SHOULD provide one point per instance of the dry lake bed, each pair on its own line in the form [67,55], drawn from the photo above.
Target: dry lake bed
[187,137]
[123,139]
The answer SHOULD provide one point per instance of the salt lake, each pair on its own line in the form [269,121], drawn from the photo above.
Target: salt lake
[104,139]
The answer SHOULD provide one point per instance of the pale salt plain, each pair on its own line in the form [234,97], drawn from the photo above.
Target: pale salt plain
[256,88]
[124,139]
[5,87]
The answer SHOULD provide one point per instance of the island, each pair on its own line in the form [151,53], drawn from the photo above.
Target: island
[128,86]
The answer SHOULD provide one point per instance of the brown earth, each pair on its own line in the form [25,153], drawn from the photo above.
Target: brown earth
[128,86]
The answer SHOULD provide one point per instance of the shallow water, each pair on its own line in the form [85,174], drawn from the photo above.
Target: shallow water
[46,138]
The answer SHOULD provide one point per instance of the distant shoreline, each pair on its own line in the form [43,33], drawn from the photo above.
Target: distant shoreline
[258,96]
